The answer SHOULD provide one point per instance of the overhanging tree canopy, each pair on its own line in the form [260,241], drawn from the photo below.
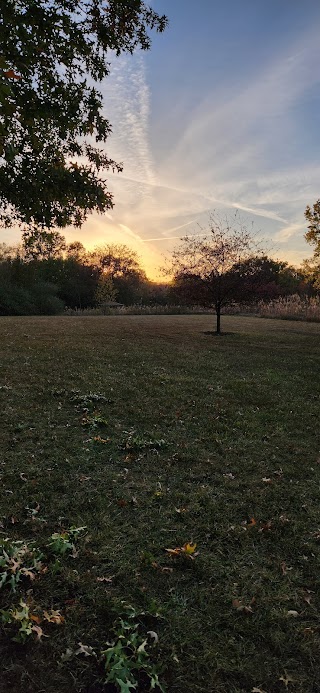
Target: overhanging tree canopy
[52,55]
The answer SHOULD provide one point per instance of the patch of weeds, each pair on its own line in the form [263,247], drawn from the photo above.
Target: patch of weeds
[62,542]
[18,559]
[129,657]
[90,398]
[28,621]
[136,443]
[94,421]
[21,559]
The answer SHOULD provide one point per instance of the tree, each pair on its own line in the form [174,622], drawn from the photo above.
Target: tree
[116,260]
[53,53]
[313,234]
[213,267]
[312,267]
[105,292]
[122,265]
[264,278]
[43,245]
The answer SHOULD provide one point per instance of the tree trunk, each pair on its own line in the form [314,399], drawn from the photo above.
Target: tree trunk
[218,313]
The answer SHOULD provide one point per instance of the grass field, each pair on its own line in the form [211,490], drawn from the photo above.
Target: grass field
[154,435]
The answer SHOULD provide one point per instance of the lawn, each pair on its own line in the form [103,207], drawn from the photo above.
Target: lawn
[150,434]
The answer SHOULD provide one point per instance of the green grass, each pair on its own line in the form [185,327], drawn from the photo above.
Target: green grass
[202,434]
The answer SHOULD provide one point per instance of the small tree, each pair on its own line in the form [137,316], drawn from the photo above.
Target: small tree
[210,266]
[105,292]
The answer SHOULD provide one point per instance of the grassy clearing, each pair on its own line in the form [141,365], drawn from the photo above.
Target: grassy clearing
[154,435]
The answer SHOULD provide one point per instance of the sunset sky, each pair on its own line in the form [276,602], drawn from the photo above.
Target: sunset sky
[221,114]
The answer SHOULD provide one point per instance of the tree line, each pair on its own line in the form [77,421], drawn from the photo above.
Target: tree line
[44,274]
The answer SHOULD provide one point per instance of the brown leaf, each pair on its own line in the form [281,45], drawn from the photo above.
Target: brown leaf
[53,617]
[11,74]
[122,503]
[40,634]
[35,618]
[174,552]
[252,522]
[237,604]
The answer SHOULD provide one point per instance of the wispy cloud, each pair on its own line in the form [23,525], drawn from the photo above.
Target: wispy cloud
[127,99]
[238,149]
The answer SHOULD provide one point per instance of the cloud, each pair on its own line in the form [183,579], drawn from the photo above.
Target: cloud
[127,98]
[287,232]
[240,147]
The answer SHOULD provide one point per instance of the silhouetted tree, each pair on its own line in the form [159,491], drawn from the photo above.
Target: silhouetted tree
[42,245]
[122,265]
[210,266]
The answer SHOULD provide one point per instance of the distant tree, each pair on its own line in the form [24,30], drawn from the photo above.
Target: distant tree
[311,271]
[312,267]
[76,251]
[53,53]
[42,245]
[212,267]
[313,234]
[265,278]
[122,265]
[105,292]
[116,260]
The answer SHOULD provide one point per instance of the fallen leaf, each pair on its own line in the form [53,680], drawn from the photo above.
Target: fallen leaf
[237,604]
[28,573]
[11,74]
[53,616]
[39,632]
[173,552]
[105,579]
[67,655]
[266,480]
[153,635]
[35,618]
[122,503]
[252,522]
[307,597]
[257,690]
[285,568]
[286,679]
[87,650]
[189,549]
[292,613]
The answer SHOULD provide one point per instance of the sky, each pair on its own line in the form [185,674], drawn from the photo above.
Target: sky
[221,114]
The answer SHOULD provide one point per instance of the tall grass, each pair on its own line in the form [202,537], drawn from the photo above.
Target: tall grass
[140,310]
[293,307]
